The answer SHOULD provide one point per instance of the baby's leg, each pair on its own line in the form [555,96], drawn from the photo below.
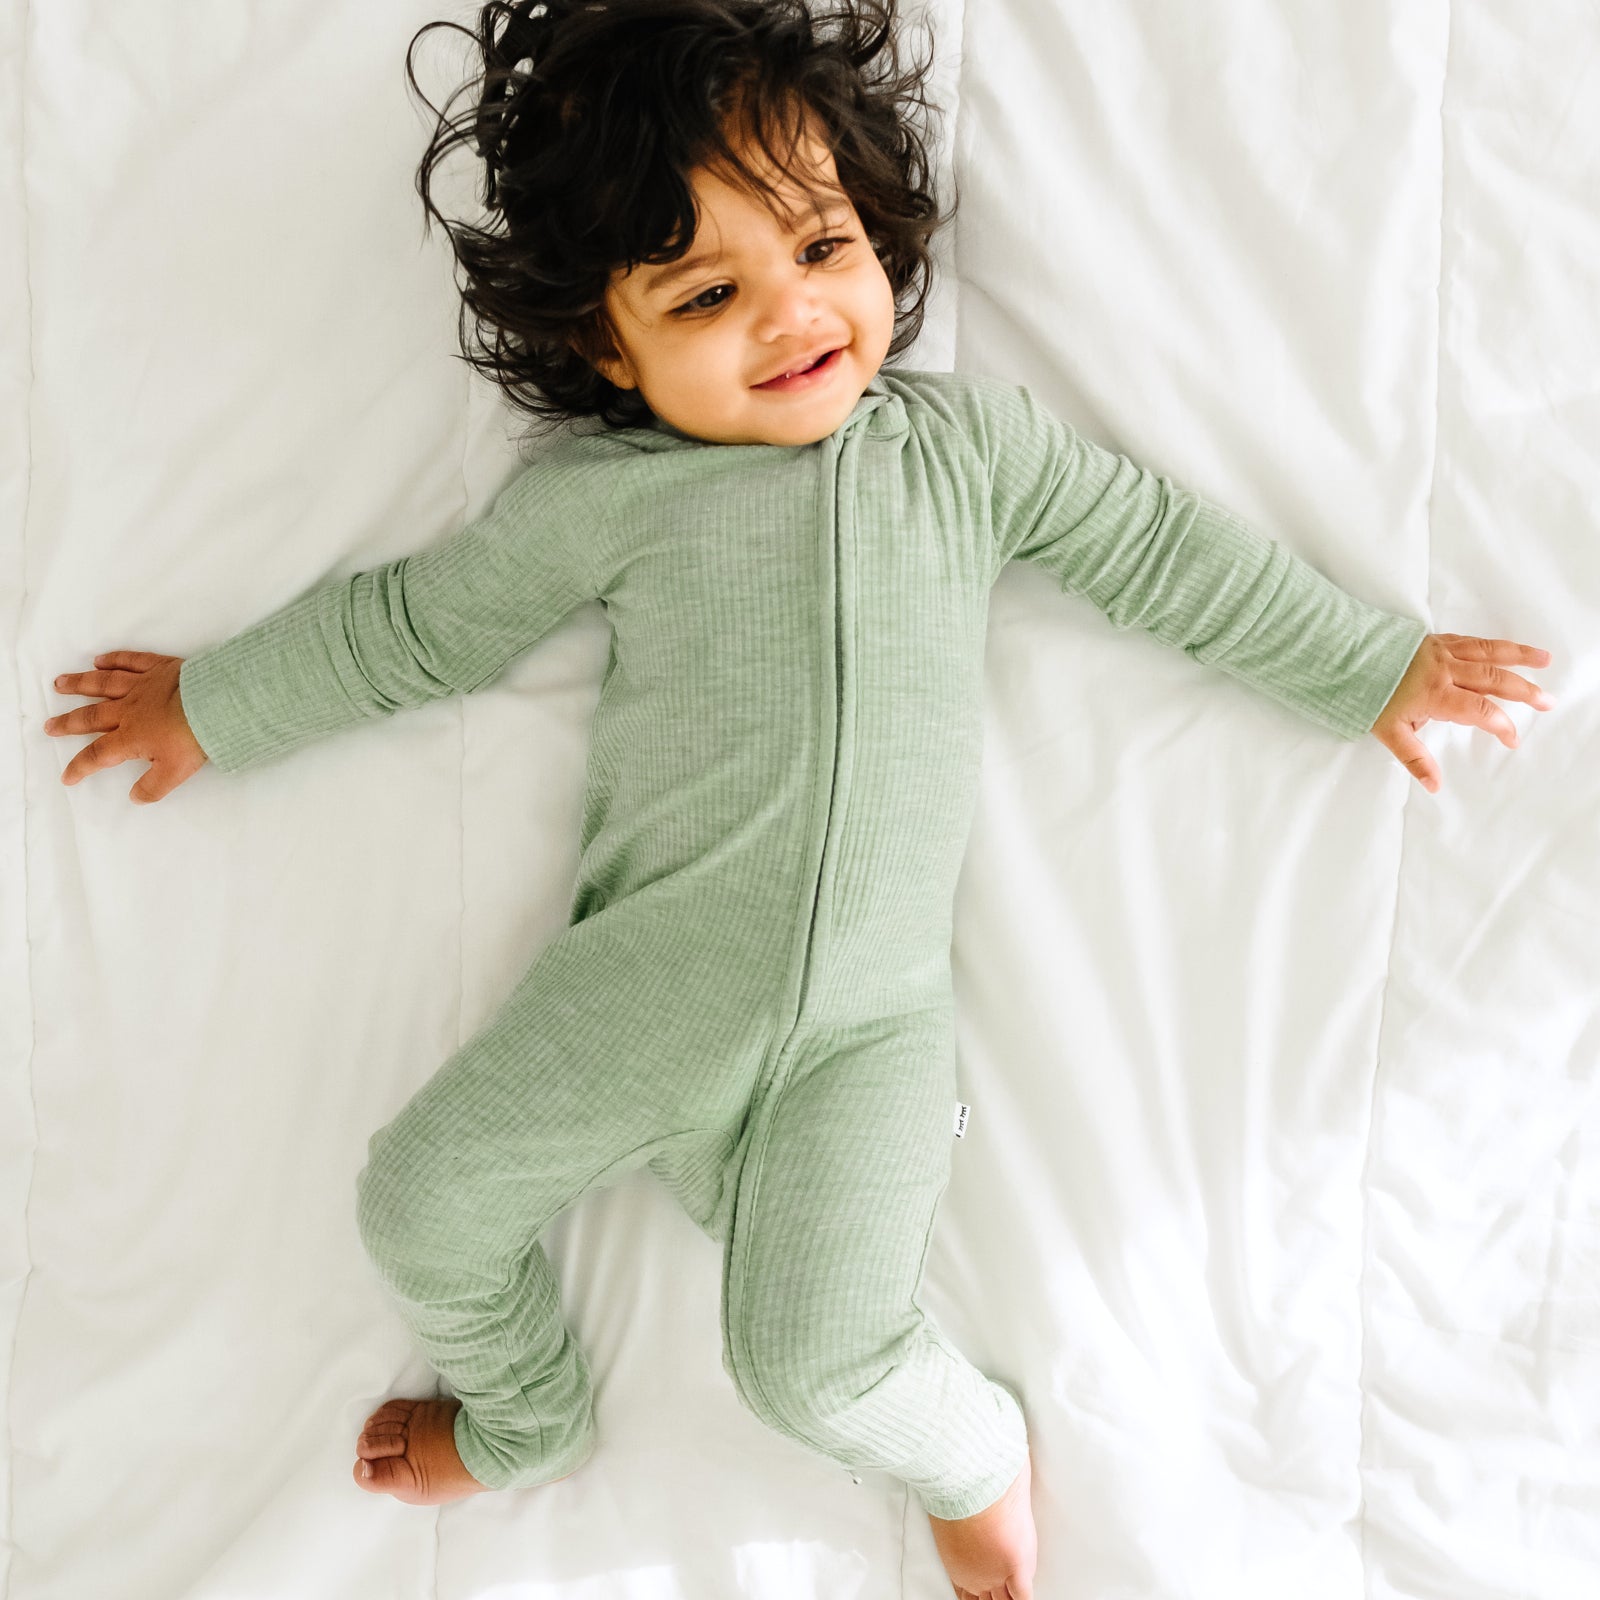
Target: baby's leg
[824,1338]
[457,1189]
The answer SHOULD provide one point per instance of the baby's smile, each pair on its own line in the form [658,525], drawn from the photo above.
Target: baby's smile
[806,376]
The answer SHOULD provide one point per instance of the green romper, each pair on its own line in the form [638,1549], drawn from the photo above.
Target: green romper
[753,994]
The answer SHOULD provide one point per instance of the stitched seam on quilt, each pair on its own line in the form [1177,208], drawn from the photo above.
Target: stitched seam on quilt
[26,982]
[1375,1110]
[953,122]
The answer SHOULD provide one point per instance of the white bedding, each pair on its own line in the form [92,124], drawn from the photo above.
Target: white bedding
[1280,1200]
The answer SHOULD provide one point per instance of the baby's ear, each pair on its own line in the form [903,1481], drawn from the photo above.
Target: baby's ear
[607,363]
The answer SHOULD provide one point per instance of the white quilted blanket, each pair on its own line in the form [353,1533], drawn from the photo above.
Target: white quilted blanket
[1280,1200]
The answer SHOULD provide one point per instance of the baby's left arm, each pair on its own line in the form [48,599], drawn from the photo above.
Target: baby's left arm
[1450,678]
[1152,555]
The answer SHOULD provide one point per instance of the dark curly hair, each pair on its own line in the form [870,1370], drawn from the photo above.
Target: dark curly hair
[589,118]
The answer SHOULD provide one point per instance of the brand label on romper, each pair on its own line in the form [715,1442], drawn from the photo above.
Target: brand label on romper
[961,1120]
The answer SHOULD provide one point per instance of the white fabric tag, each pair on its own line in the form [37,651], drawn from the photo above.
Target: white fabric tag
[961,1120]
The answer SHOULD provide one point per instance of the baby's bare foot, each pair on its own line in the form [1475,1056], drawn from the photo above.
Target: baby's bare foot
[992,1554]
[409,1449]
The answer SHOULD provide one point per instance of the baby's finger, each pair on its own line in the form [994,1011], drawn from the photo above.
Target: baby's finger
[150,788]
[1497,681]
[102,753]
[1414,756]
[1461,706]
[128,660]
[101,717]
[1472,648]
[113,683]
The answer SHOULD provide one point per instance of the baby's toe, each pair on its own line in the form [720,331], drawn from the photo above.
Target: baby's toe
[373,1445]
[384,1432]
[390,1475]
[392,1413]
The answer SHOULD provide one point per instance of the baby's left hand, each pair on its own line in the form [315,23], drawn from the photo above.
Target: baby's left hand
[1449,678]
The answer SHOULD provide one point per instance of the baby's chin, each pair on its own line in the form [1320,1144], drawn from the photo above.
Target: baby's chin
[795,418]
[800,423]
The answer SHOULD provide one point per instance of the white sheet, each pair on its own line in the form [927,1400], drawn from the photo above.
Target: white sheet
[1279,1199]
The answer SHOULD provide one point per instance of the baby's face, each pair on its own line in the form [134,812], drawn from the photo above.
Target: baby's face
[699,342]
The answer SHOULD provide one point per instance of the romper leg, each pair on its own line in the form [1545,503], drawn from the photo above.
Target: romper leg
[835,1207]
[530,1113]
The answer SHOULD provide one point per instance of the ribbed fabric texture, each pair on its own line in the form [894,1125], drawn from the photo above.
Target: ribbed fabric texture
[753,994]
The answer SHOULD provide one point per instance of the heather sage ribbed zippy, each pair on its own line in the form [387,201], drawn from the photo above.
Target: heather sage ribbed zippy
[753,992]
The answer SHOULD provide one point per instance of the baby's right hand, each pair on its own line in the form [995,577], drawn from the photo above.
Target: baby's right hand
[140,714]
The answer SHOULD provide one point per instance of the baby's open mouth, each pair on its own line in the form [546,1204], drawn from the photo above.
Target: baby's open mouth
[826,360]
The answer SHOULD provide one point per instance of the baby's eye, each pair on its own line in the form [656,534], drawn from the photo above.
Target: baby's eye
[699,303]
[817,242]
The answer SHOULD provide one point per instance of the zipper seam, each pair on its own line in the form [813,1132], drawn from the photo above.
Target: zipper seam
[774,1086]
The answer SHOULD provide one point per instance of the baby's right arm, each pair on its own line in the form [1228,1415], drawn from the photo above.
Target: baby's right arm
[442,621]
[140,714]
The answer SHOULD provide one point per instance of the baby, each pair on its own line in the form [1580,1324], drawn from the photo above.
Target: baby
[715,235]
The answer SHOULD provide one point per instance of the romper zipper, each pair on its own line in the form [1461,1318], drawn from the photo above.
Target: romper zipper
[750,1173]
[835,805]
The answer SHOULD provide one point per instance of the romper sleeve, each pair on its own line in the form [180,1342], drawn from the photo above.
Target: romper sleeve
[440,622]
[1161,558]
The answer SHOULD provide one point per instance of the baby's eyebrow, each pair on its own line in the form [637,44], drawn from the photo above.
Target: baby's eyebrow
[664,277]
